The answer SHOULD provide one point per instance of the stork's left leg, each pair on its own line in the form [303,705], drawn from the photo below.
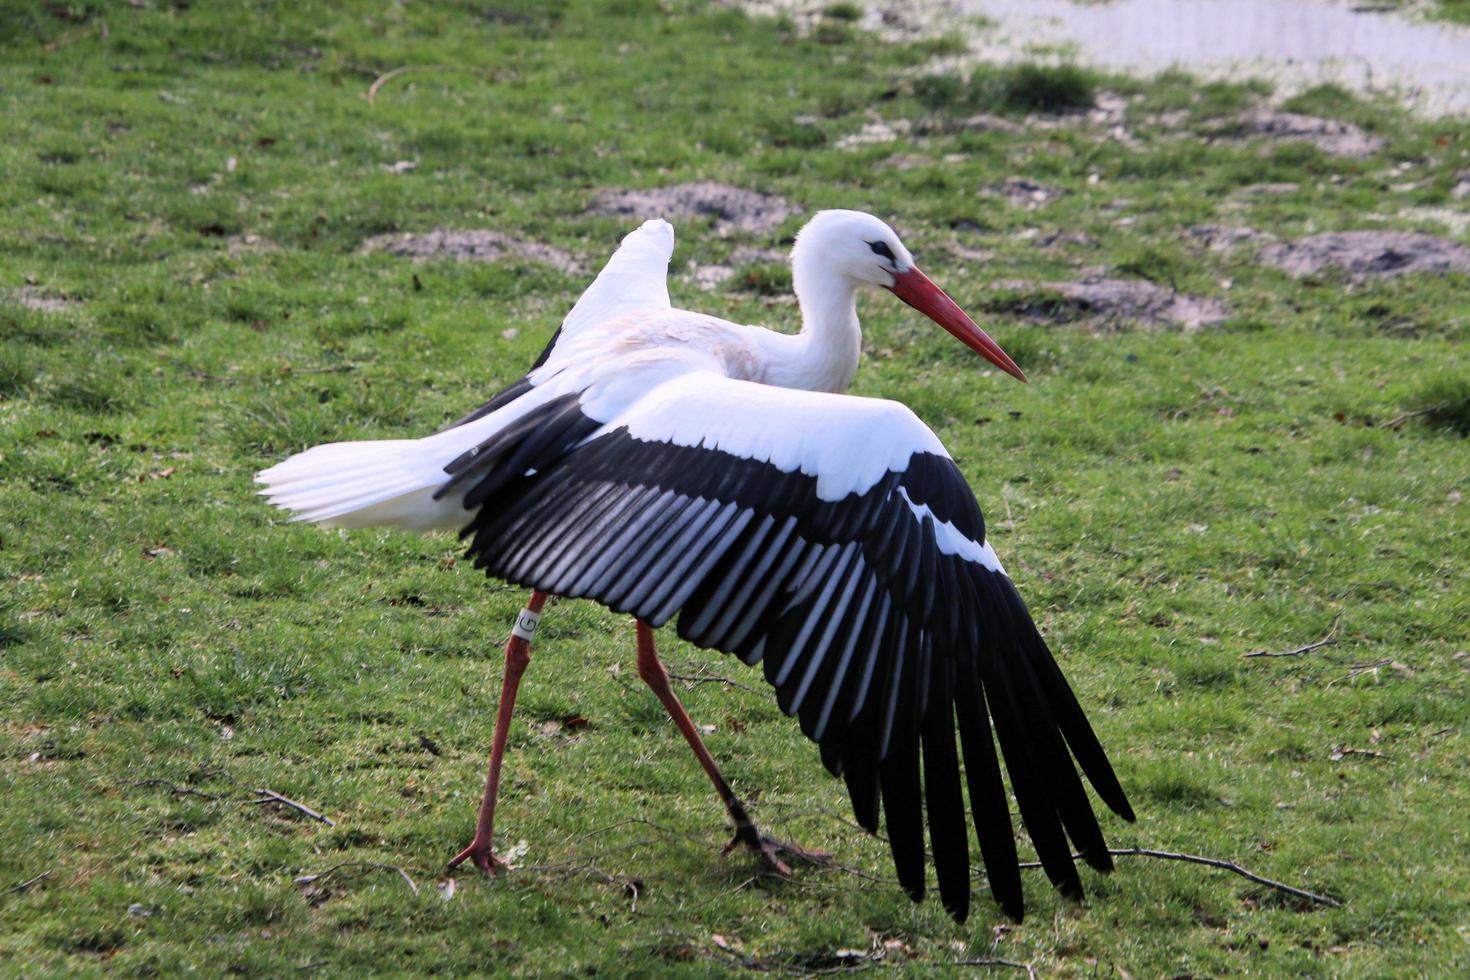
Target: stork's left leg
[656,676]
[517,656]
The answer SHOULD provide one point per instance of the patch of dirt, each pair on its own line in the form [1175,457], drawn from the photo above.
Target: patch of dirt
[1265,190]
[36,298]
[1108,109]
[1369,254]
[1129,299]
[710,277]
[876,131]
[1108,112]
[1173,119]
[733,208]
[907,161]
[1025,193]
[713,276]
[967,253]
[1057,239]
[1227,238]
[1335,138]
[476,245]
[237,245]
[984,122]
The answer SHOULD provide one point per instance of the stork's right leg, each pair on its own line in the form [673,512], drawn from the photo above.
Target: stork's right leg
[772,851]
[517,656]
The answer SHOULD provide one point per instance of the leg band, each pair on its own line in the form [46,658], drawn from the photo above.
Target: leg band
[525,626]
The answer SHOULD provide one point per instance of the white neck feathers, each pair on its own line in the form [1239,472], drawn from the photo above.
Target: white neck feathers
[830,342]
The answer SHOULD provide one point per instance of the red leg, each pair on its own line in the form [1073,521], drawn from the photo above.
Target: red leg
[656,676]
[517,656]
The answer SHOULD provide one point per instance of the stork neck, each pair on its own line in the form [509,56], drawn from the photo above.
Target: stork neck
[830,339]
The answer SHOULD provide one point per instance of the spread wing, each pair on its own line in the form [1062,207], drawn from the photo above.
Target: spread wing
[832,540]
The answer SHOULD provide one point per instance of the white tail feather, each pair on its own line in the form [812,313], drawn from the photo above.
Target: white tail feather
[388,482]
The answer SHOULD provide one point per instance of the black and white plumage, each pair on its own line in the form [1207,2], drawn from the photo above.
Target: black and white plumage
[666,463]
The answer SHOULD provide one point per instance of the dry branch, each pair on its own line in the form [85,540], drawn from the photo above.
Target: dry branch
[704,675]
[172,789]
[1210,862]
[632,887]
[25,885]
[386,77]
[1326,641]
[271,796]
[261,796]
[1398,421]
[996,961]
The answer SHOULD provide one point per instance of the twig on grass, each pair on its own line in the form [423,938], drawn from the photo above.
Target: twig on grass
[724,894]
[388,76]
[704,675]
[1326,641]
[1116,852]
[860,873]
[1398,421]
[271,796]
[996,961]
[1210,862]
[318,876]
[330,369]
[261,796]
[792,964]
[25,885]
[632,887]
[599,831]
[172,789]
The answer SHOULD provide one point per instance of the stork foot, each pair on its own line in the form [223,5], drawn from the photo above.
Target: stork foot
[482,855]
[777,855]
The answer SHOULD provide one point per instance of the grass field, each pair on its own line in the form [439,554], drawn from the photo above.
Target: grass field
[182,303]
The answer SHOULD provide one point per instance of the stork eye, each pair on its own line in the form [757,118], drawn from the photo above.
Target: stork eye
[881,248]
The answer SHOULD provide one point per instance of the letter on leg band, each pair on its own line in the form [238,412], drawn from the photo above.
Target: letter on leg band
[525,626]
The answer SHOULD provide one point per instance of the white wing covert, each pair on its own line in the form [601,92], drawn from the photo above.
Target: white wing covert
[635,279]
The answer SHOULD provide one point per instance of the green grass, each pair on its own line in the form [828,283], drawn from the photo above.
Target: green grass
[1016,89]
[1454,11]
[1168,502]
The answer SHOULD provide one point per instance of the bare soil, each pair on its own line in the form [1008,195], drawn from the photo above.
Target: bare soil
[1227,238]
[471,245]
[714,275]
[1143,303]
[733,208]
[1369,254]
[36,298]
[1331,136]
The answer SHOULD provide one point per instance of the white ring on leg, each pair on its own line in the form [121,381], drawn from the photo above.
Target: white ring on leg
[526,624]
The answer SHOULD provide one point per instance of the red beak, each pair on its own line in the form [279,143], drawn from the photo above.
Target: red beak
[919,291]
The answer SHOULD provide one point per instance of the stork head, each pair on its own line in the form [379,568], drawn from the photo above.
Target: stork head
[863,250]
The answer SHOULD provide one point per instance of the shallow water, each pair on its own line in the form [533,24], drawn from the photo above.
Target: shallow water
[1295,43]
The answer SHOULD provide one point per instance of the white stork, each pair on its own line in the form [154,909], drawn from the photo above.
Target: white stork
[665,462]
